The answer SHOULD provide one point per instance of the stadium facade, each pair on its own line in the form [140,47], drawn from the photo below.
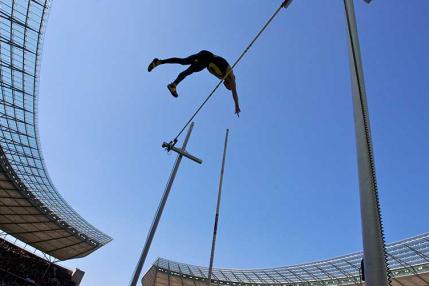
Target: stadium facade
[31,209]
[408,260]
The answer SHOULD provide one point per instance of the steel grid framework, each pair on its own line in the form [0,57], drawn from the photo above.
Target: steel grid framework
[408,260]
[30,207]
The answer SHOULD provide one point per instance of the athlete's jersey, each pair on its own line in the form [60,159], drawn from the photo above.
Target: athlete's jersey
[218,66]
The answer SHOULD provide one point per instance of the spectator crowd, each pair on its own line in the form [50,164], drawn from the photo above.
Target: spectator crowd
[19,267]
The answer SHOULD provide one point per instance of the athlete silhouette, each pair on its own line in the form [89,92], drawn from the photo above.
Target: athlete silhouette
[216,65]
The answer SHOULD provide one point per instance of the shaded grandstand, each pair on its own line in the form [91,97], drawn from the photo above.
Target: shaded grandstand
[31,209]
[408,261]
[21,267]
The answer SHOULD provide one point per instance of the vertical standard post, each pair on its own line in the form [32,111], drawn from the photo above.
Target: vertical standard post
[158,214]
[372,232]
[219,195]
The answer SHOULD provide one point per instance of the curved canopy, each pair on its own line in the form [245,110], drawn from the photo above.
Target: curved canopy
[30,207]
[408,261]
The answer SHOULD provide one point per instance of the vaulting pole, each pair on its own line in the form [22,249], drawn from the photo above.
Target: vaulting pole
[372,231]
[219,195]
[158,214]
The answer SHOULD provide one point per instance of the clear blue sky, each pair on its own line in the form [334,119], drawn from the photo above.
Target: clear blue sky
[290,186]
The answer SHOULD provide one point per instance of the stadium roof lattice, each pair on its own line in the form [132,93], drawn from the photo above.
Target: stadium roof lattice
[30,207]
[408,261]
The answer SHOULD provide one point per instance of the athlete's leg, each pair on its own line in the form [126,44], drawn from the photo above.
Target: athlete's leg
[195,67]
[203,57]
[200,57]
[181,61]
[198,62]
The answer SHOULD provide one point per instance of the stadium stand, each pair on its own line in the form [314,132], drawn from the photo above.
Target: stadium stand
[408,261]
[20,267]
[31,209]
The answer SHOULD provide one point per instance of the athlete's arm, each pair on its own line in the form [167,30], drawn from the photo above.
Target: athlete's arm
[235,96]
[230,84]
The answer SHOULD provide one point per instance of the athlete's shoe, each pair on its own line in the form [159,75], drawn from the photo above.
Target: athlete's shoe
[155,62]
[172,88]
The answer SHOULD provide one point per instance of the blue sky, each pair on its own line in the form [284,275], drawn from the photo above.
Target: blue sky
[290,186]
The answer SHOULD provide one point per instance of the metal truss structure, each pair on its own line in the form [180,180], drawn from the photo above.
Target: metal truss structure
[30,207]
[408,260]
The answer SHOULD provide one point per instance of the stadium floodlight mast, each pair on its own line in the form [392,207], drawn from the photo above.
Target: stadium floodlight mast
[372,233]
[181,153]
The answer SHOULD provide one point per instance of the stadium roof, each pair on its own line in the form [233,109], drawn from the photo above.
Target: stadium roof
[408,261]
[30,207]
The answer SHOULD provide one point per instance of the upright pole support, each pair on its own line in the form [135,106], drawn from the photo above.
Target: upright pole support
[160,209]
[372,230]
[219,195]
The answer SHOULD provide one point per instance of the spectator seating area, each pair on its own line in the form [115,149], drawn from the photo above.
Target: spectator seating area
[19,267]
